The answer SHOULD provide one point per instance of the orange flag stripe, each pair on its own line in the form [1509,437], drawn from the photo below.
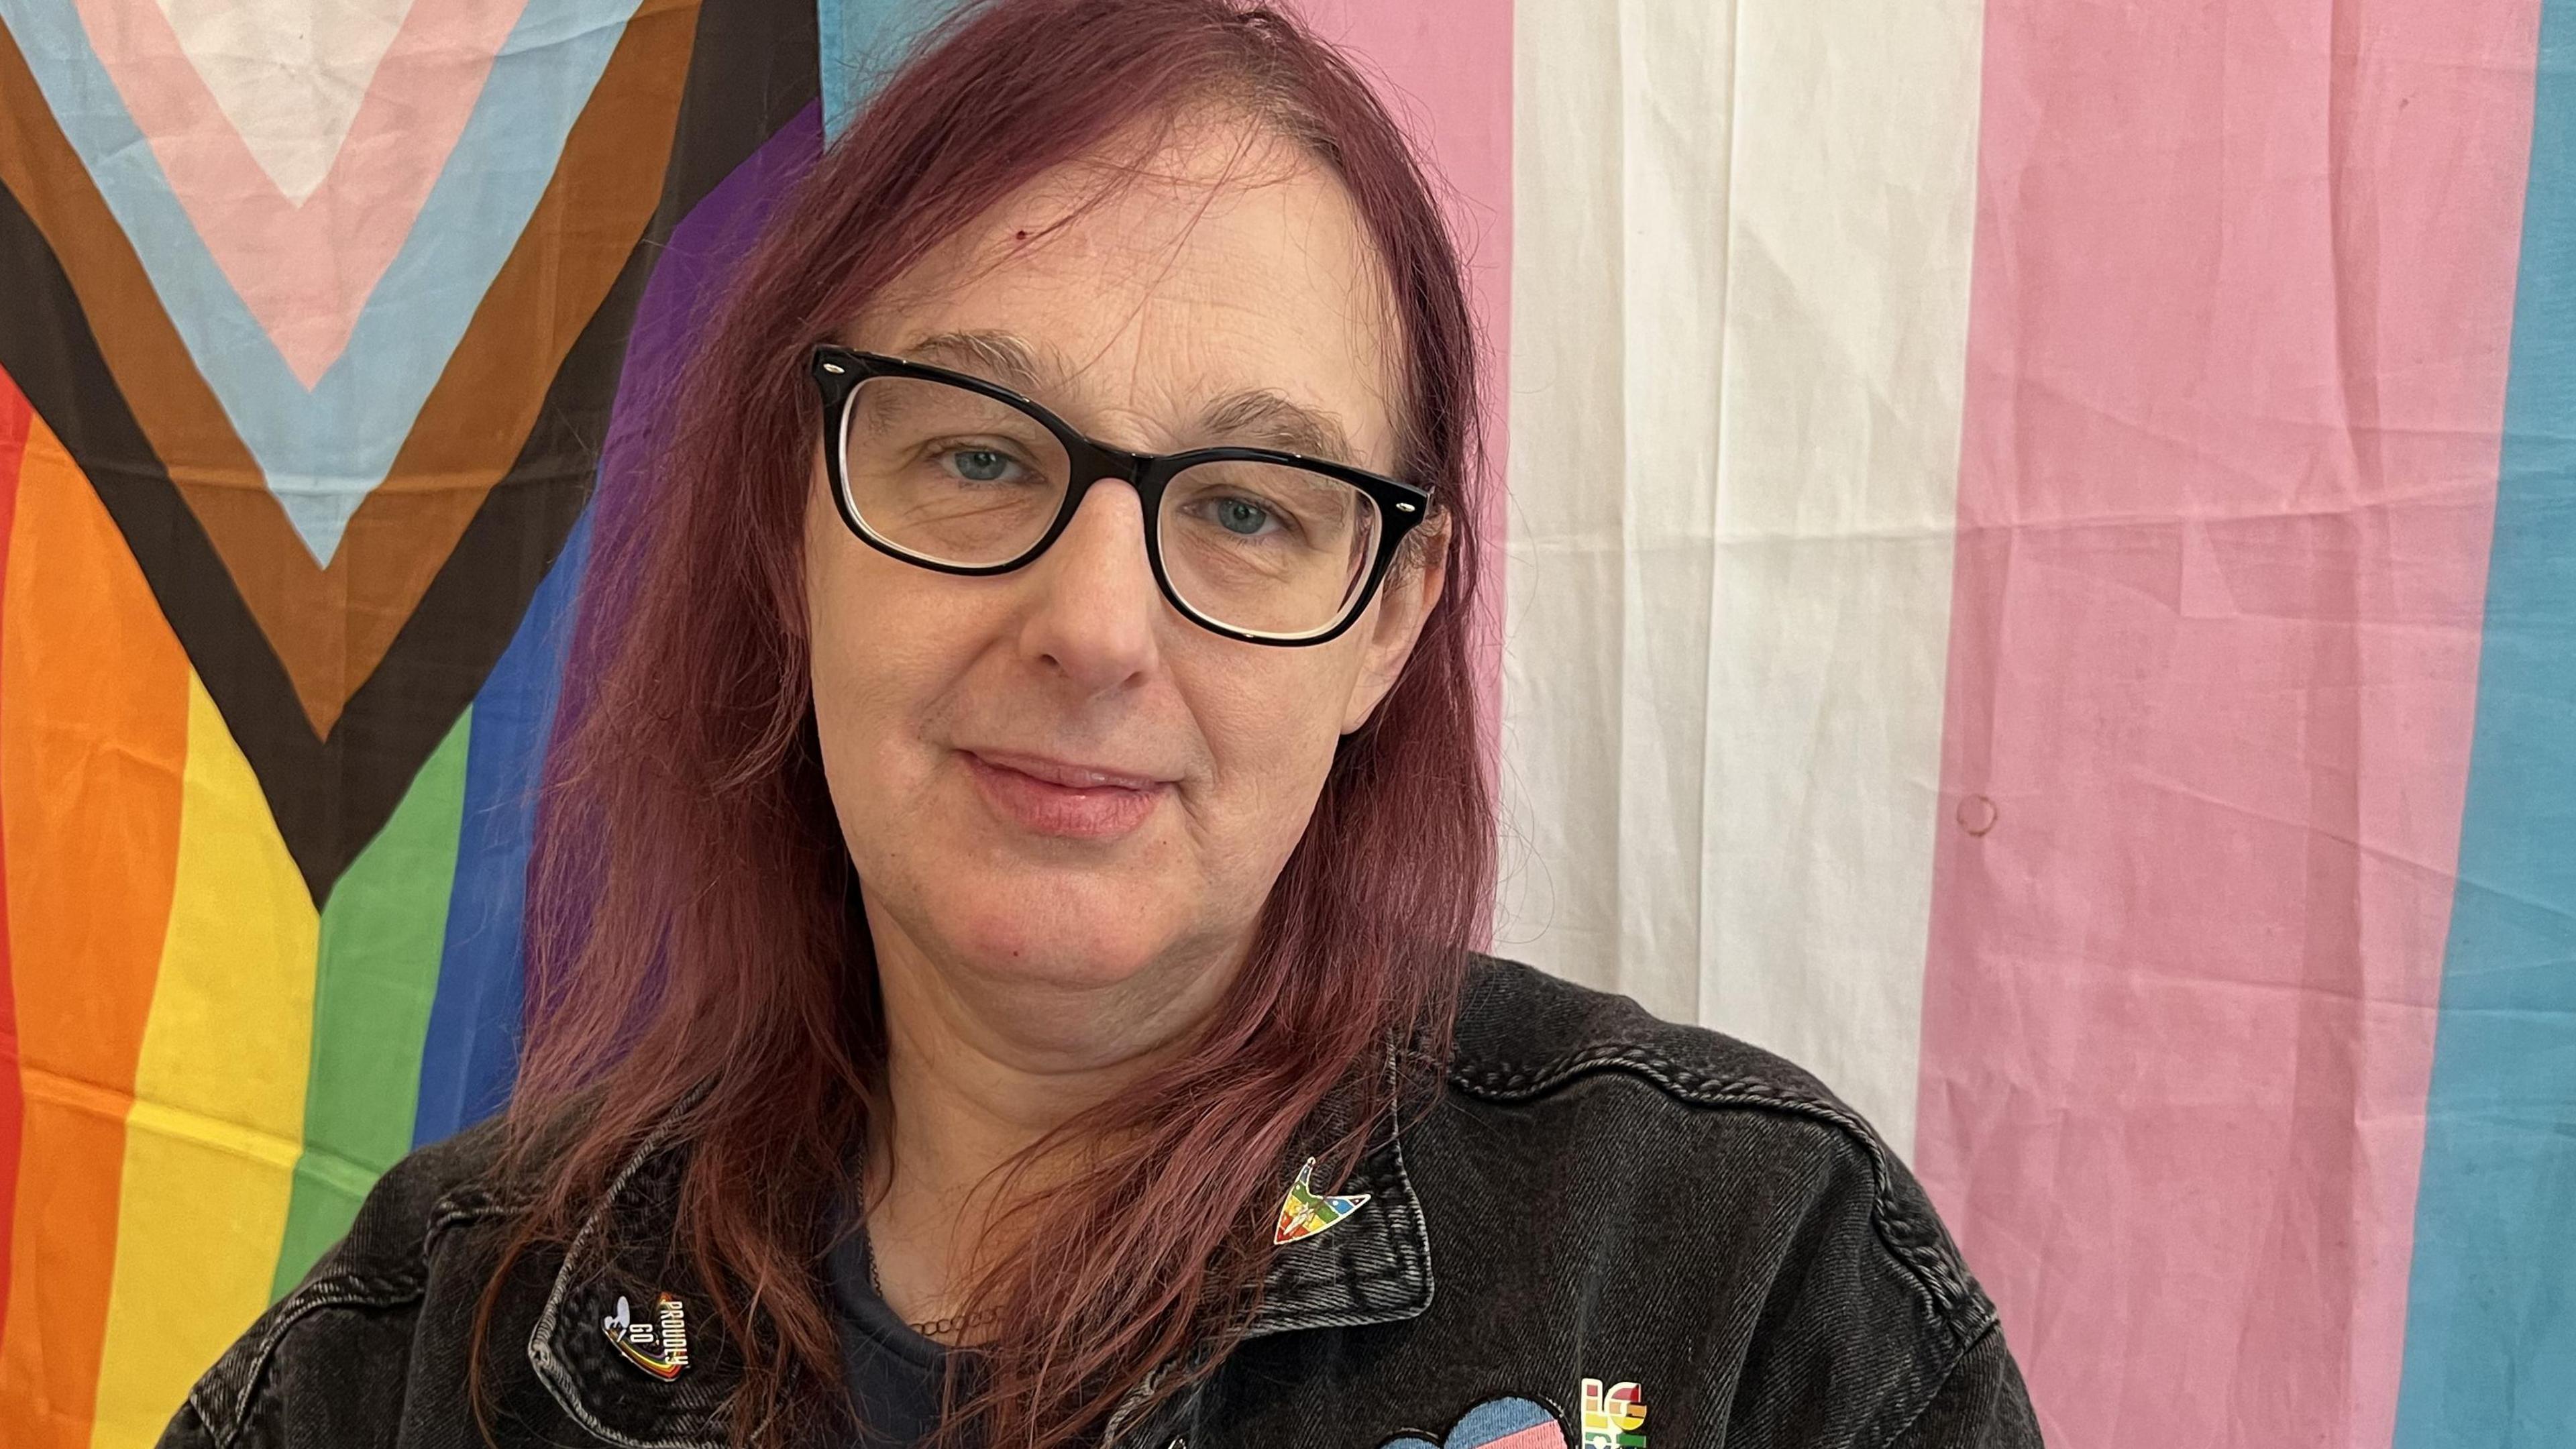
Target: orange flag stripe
[93,747]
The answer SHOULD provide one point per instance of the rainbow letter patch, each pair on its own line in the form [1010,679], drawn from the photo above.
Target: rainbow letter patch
[1613,1419]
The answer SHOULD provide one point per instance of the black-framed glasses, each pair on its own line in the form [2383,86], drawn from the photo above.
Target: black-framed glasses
[953,473]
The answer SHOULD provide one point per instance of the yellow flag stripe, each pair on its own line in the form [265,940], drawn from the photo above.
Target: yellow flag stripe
[218,1120]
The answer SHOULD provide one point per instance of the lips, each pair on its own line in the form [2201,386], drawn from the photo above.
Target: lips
[1083,810]
[1068,774]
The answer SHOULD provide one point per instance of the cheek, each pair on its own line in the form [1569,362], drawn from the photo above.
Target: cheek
[850,689]
[1276,743]
[874,679]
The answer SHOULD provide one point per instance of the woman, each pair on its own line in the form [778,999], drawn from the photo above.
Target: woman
[1001,915]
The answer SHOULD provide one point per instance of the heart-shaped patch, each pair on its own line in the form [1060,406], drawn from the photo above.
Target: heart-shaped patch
[1505,1423]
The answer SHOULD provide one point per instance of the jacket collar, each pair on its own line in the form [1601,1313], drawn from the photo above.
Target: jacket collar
[1373,1266]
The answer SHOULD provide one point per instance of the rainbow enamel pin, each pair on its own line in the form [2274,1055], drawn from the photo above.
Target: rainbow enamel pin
[1306,1212]
[660,1348]
[1613,1418]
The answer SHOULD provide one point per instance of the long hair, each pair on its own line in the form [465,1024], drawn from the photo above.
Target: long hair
[699,967]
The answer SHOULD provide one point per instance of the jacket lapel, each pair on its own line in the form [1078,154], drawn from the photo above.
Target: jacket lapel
[621,1384]
[1371,1266]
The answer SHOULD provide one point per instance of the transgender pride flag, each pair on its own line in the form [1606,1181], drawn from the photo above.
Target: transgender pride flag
[2039,579]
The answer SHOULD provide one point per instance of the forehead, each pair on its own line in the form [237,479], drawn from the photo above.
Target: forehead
[1225,263]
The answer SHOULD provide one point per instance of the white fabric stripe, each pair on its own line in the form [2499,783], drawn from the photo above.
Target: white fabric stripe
[1740,285]
[1618,231]
[290,75]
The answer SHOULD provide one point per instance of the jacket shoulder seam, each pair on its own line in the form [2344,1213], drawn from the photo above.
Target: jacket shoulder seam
[337,1290]
[1916,1249]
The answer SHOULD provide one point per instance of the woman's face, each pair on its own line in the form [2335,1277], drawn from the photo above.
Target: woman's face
[1232,270]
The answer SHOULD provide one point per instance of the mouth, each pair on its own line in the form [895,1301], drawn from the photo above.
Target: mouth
[1049,797]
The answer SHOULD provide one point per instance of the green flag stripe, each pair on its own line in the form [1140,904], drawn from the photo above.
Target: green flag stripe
[372,989]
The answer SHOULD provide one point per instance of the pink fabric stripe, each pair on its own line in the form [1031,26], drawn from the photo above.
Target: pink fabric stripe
[1444,67]
[2244,279]
[305,271]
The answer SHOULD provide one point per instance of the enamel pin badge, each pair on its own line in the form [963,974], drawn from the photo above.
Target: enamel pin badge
[1306,1212]
[659,1348]
[1509,1422]
[1613,1418]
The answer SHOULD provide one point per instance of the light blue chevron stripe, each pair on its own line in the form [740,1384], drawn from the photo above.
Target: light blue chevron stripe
[862,42]
[325,449]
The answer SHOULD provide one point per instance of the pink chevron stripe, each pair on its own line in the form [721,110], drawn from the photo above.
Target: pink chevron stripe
[305,271]
[2243,292]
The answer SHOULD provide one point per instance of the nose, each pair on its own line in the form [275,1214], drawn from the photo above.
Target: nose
[1096,606]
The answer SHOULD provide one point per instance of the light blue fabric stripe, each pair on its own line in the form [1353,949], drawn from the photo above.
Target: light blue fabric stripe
[323,451]
[861,43]
[2491,1316]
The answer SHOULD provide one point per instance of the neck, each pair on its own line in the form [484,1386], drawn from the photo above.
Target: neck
[979,1069]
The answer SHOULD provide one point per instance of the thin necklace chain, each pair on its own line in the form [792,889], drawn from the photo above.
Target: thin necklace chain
[931,1328]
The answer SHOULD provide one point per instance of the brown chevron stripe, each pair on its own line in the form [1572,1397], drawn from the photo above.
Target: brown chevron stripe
[753,68]
[329,795]
[330,626]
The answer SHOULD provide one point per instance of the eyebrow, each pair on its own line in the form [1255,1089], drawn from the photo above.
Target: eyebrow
[1265,419]
[1254,417]
[994,356]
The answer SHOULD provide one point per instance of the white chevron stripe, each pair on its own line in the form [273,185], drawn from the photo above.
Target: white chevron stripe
[289,74]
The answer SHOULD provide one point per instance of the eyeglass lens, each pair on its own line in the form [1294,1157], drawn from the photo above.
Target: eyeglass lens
[954,477]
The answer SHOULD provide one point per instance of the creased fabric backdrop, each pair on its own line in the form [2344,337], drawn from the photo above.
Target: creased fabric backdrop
[2039,580]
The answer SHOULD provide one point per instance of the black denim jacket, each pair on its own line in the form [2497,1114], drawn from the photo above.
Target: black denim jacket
[1604,1211]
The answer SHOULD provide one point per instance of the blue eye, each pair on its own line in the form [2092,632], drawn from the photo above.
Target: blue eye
[1231,511]
[980,465]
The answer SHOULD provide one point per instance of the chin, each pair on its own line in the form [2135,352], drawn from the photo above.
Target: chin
[1074,939]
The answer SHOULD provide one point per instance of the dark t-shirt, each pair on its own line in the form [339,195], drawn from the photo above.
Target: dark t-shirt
[894,1373]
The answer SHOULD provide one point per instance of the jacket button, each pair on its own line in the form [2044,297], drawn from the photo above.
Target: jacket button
[1178,1443]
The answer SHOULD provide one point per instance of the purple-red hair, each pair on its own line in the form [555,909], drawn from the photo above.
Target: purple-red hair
[699,965]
